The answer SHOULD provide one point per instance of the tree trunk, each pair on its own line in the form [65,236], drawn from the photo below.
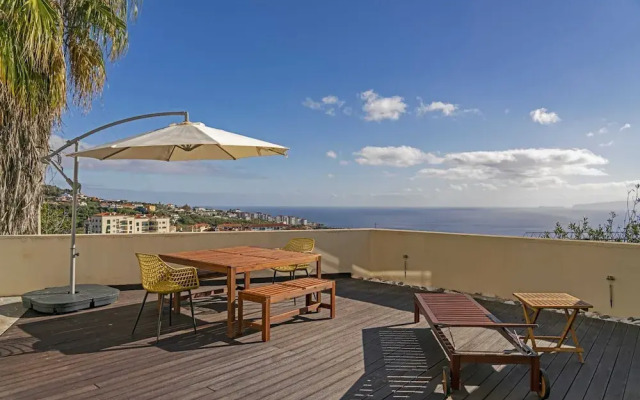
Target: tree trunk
[24,140]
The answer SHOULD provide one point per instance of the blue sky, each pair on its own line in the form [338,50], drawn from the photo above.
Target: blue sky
[462,103]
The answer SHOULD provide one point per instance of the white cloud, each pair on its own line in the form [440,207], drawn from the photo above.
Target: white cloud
[330,176]
[379,108]
[334,100]
[460,187]
[605,186]
[607,144]
[486,186]
[521,167]
[332,154]
[328,104]
[475,111]
[344,162]
[507,111]
[447,109]
[347,111]
[590,134]
[314,105]
[402,156]
[625,127]
[544,117]
[603,130]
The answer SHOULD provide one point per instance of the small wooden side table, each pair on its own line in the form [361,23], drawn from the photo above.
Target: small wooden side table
[533,303]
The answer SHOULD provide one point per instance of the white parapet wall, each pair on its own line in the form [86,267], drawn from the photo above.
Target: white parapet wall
[489,265]
[500,266]
[35,262]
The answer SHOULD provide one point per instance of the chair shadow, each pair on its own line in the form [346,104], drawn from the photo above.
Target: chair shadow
[109,328]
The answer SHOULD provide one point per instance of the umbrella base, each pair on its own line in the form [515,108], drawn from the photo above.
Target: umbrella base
[58,300]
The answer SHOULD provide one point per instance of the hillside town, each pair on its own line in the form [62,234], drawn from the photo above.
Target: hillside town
[105,216]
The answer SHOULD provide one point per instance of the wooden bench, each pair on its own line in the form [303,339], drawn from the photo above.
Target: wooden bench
[271,294]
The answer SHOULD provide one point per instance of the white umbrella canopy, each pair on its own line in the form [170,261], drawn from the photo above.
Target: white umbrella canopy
[183,142]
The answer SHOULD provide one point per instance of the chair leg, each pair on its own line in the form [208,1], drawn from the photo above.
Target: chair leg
[293,277]
[193,316]
[139,312]
[306,271]
[274,276]
[333,300]
[159,318]
[170,305]
[240,315]
[266,321]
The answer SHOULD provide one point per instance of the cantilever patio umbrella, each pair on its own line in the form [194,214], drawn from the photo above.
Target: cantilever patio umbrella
[182,142]
[177,142]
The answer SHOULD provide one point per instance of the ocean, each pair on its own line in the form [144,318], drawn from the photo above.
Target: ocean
[492,221]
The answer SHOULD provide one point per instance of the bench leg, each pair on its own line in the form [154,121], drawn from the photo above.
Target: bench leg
[240,314]
[333,300]
[308,300]
[455,373]
[266,321]
[416,313]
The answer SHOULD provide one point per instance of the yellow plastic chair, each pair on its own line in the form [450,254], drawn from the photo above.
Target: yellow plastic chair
[158,277]
[301,245]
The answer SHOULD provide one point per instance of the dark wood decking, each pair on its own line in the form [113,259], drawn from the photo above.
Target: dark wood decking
[371,350]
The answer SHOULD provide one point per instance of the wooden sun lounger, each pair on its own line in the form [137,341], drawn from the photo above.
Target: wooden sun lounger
[456,310]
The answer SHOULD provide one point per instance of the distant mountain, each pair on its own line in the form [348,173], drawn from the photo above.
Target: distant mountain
[616,206]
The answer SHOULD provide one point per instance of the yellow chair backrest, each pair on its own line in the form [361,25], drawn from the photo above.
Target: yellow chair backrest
[301,245]
[152,270]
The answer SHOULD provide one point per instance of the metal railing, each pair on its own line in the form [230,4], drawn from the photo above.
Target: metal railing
[618,236]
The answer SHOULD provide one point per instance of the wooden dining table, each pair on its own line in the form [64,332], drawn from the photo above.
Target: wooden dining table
[240,260]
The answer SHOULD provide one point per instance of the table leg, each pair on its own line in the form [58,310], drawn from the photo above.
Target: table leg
[530,319]
[319,276]
[159,304]
[571,318]
[247,280]
[231,302]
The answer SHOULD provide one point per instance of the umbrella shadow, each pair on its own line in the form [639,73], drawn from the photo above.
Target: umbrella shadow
[109,329]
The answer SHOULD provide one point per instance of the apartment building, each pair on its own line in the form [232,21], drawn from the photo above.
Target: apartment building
[109,223]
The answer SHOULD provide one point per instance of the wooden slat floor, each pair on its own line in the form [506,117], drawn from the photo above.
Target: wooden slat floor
[371,350]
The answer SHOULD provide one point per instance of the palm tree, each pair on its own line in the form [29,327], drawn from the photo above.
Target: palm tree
[49,50]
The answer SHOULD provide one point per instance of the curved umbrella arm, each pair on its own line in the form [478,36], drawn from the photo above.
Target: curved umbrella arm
[71,142]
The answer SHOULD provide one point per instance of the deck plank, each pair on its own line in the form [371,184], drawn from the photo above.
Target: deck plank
[620,373]
[371,348]
[632,388]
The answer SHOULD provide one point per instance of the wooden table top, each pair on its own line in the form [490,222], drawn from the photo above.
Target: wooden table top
[240,258]
[551,300]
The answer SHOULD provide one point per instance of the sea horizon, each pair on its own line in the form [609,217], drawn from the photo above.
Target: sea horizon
[506,221]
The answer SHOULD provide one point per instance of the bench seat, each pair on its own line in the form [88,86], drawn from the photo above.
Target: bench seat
[270,294]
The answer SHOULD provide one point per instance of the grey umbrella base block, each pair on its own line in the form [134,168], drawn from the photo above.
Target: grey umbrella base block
[58,300]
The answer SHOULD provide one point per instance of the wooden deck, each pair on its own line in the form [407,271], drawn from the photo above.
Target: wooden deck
[371,350]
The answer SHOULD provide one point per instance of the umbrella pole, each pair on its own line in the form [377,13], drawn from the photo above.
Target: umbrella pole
[74,217]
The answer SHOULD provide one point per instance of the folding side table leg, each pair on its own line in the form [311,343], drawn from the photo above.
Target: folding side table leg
[571,318]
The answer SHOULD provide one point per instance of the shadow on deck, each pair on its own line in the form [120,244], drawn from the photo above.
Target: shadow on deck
[371,350]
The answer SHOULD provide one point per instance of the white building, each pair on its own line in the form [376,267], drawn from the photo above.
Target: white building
[107,223]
